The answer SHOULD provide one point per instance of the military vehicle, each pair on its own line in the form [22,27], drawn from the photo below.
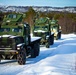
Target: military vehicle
[15,40]
[42,29]
[13,19]
[56,29]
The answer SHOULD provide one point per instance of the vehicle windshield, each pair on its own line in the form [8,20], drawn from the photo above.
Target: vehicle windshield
[8,29]
[16,30]
[4,29]
[45,28]
[54,28]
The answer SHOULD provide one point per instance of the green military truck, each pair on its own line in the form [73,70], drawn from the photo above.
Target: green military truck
[13,19]
[42,29]
[16,42]
[56,29]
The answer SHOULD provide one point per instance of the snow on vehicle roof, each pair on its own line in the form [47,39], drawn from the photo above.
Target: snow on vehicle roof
[20,44]
[6,35]
[11,36]
[35,38]
[40,31]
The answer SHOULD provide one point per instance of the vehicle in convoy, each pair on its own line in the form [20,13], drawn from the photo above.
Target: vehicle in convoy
[56,28]
[16,42]
[42,29]
[13,19]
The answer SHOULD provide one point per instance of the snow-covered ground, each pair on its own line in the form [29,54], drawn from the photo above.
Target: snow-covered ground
[59,59]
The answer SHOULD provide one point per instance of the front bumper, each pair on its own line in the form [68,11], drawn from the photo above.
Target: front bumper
[7,52]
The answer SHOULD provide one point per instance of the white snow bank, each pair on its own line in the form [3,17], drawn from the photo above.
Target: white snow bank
[67,36]
[59,59]
[66,48]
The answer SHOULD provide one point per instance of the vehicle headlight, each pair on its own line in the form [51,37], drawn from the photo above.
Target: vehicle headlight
[18,48]
[55,34]
[47,37]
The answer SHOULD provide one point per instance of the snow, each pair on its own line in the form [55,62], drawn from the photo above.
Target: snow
[39,31]
[35,38]
[6,35]
[59,59]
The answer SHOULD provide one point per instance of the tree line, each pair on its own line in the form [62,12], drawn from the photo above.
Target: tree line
[66,20]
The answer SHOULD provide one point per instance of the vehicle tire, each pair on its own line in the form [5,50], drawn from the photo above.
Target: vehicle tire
[59,35]
[52,39]
[37,49]
[21,57]
[0,59]
[47,45]
[33,53]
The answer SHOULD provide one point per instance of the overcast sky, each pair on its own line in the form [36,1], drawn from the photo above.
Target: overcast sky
[53,3]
